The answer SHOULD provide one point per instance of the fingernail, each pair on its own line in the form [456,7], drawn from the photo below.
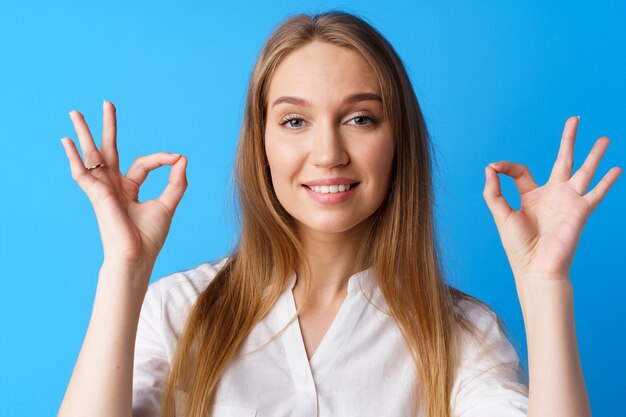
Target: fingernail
[578,117]
[492,163]
[175,154]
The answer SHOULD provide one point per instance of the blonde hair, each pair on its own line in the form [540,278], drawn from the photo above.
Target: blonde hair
[400,242]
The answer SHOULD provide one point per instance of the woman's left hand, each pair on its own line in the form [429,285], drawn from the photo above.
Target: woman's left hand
[540,238]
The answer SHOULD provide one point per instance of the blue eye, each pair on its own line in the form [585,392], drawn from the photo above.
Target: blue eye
[290,118]
[372,120]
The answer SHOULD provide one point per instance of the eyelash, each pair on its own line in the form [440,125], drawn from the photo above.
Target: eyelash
[291,117]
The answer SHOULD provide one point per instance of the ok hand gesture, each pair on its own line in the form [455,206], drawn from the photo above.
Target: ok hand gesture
[132,232]
[541,237]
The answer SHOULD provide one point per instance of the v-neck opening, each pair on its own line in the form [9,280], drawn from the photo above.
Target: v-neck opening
[337,333]
[328,330]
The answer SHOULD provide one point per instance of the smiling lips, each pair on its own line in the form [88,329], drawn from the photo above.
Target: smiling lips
[325,189]
[330,190]
[331,181]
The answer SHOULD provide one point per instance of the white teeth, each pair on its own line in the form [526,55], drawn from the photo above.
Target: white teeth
[330,189]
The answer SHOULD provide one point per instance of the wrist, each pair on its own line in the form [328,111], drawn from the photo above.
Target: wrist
[538,293]
[136,275]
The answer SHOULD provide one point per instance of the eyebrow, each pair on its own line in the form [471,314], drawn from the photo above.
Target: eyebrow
[353,98]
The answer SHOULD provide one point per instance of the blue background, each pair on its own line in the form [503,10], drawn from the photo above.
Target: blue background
[496,81]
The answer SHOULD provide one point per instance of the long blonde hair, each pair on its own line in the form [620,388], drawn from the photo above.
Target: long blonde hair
[400,242]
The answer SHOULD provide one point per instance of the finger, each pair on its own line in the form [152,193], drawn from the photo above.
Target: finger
[598,192]
[176,186]
[91,155]
[492,194]
[140,168]
[562,169]
[521,175]
[108,147]
[582,178]
[79,173]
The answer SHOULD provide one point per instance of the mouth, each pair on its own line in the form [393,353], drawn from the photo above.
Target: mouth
[332,189]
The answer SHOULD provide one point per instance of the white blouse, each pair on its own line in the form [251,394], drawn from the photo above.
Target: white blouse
[362,366]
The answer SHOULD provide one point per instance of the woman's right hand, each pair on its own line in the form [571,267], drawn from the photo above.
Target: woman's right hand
[132,232]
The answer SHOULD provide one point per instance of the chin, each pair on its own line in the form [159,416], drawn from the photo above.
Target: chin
[329,224]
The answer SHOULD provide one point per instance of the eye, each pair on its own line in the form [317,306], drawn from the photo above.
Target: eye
[361,119]
[290,118]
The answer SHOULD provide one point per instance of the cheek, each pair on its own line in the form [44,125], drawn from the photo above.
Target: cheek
[378,158]
[283,160]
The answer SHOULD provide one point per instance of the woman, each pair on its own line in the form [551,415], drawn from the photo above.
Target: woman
[333,303]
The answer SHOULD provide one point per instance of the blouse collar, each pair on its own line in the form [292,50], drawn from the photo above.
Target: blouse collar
[363,280]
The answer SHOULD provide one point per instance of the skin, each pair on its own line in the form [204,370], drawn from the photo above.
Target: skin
[539,239]
[132,234]
[328,138]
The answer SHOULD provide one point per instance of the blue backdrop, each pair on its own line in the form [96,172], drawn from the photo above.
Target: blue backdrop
[496,81]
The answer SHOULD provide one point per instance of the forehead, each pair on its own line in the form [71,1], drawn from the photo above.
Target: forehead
[322,72]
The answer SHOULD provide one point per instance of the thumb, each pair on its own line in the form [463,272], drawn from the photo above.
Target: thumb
[492,194]
[176,186]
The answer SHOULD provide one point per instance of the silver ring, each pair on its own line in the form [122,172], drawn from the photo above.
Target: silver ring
[97,166]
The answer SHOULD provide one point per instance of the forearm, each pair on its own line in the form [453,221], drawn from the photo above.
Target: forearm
[556,382]
[101,384]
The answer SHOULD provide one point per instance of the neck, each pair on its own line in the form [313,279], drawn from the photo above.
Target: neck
[332,259]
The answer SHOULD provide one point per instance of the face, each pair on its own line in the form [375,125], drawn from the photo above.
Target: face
[329,149]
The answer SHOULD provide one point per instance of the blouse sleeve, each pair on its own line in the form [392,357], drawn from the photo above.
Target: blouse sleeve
[151,364]
[488,381]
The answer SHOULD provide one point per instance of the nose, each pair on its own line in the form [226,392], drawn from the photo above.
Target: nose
[328,147]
